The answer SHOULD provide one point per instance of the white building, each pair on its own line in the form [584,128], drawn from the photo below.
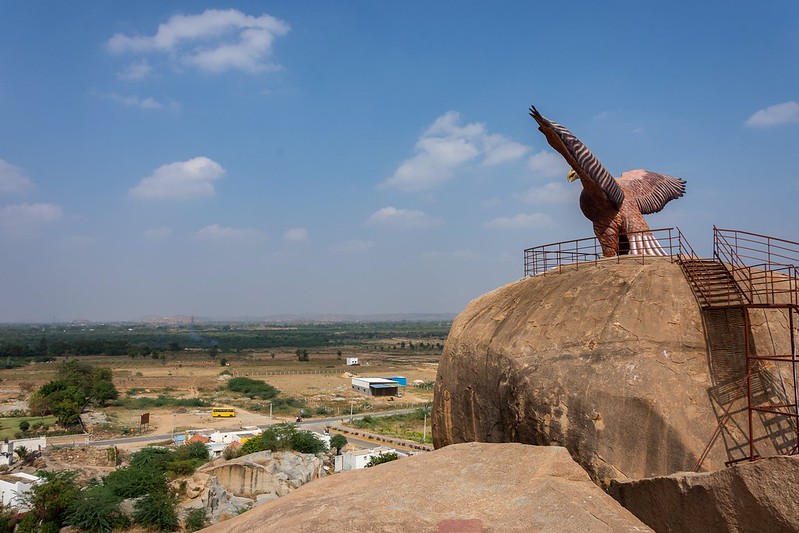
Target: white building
[7,448]
[375,386]
[359,458]
[352,361]
[13,485]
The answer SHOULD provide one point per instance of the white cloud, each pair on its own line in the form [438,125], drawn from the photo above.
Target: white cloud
[499,149]
[352,246]
[183,180]
[13,180]
[215,232]
[446,146]
[402,218]
[520,221]
[296,235]
[552,193]
[547,165]
[774,115]
[214,41]
[148,103]
[158,234]
[23,219]
[135,71]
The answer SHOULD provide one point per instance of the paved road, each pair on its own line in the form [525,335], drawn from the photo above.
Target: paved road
[314,424]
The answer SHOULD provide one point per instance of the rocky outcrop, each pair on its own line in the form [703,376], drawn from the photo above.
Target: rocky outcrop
[469,487]
[609,361]
[759,496]
[226,488]
[266,473]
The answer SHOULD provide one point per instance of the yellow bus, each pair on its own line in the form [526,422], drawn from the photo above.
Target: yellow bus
[223,411]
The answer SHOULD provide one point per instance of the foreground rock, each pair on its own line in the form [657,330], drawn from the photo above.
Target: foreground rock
[609,361]
[226,488]
[759,496]
[471,487]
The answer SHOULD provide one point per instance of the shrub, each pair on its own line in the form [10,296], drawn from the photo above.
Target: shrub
[8,518]
[49,501]
[134,481]
[231,453]
[307,442]
[253,445]
[196,519]
[382,458]
[253,388]
[96,508]
[152,457]
[24,426]
[157,511]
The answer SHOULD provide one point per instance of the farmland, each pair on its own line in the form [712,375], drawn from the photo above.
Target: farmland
[176,372]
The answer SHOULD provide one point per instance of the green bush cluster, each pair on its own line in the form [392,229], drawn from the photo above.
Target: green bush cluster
[59,501]
[282,437]
[382,458]
[78,384]
[163,400]
[252,388]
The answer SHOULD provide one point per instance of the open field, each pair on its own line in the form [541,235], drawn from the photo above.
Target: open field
[319,387]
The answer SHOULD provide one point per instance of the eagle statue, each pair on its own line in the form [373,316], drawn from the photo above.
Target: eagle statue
[615,205]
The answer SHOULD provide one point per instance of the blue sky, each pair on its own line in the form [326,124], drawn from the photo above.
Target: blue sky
[254,158]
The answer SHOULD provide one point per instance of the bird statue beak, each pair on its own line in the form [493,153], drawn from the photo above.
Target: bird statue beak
[571,176]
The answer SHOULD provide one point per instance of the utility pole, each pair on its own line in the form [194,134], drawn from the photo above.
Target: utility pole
[270,410]
[424,431]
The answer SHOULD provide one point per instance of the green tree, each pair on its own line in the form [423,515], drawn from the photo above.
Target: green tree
[338,355]
[135,481]
[104,391]
[338,441]
[213,351]
[24,426]
[174,346]
[67,412]
[49,501]
[302,355]
[307,442]
[223,362]
[95,508]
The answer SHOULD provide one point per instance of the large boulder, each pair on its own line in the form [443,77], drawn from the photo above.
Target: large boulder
[608,360]
[266,473]
[469,487]
[759,496]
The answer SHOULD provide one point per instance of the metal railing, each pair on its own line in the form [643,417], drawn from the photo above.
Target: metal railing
[764,267]
[574,253]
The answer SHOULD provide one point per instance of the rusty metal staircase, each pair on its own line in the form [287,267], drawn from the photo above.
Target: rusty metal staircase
[754,389]
[712,283]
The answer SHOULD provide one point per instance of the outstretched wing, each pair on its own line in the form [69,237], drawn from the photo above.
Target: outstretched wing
[652,191]
[578,157]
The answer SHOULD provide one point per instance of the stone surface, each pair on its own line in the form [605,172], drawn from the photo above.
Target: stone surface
[465,487]
[609,361]
[266,473]
[759,496]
